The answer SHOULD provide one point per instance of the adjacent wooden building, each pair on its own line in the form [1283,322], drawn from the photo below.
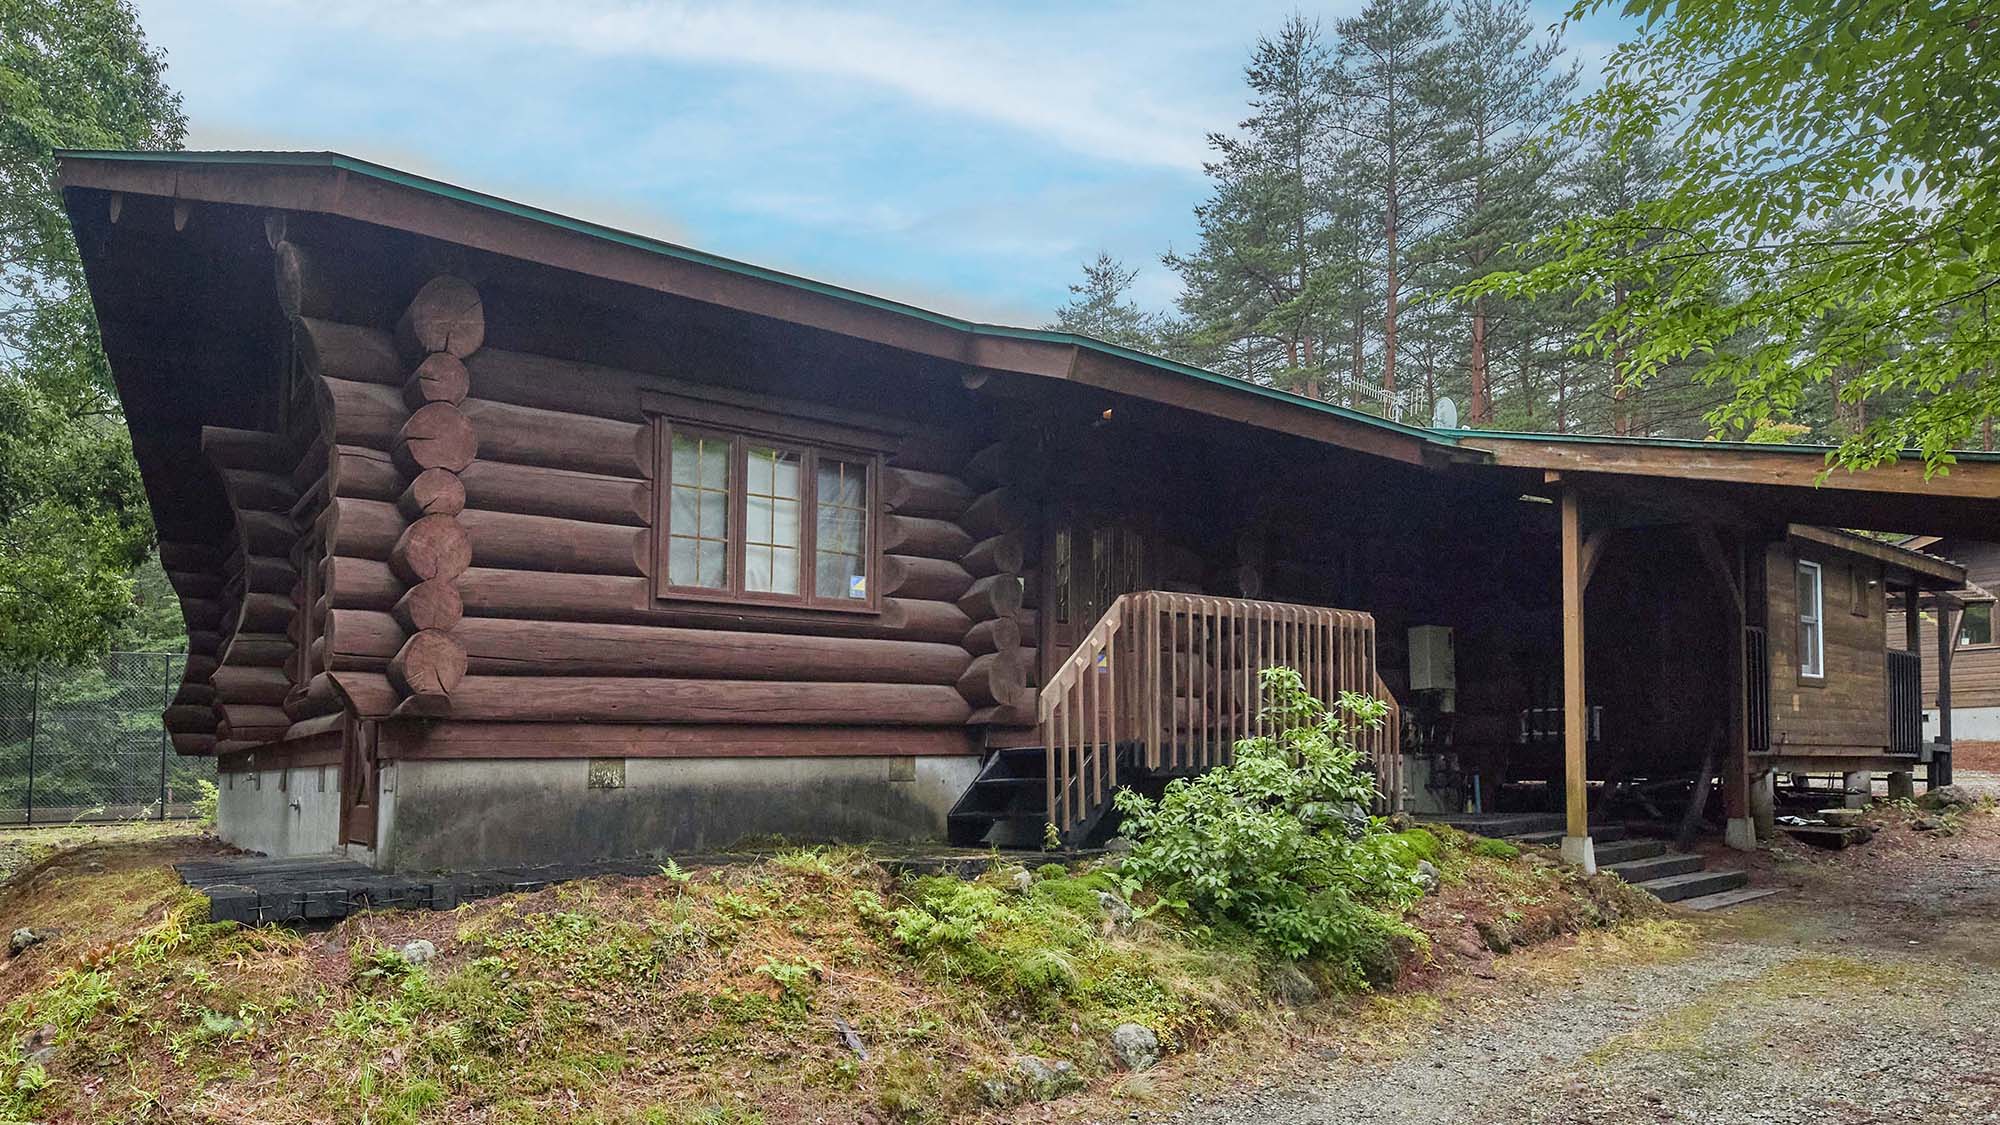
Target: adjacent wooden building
[503,535]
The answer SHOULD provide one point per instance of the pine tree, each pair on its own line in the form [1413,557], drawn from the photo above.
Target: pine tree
[1392,55]
[1099,307]
[1503,93]
[1258,293]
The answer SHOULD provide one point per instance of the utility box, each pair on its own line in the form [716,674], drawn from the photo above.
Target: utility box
[1433,666]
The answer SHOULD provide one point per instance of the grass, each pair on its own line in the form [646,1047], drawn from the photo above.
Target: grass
[704,995]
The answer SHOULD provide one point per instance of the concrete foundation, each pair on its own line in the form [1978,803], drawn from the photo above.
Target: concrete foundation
[1580,852]
[280,812]
[1860,786]
[1741,834]
[485,813]
[1764,804]
[1902,786]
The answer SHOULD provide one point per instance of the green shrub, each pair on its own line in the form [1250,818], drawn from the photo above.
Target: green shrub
[1494,849]
[1251,843]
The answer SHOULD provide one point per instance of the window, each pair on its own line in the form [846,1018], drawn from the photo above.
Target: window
[1975,625]
[1812,634]
[758,518]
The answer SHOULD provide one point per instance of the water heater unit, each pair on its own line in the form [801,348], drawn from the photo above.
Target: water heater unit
[1432,667]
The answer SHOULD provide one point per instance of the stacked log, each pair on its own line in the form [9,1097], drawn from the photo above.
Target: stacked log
[433,443]
[248,625]
[996,681]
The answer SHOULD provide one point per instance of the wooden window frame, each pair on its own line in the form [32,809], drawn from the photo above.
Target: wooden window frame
[809,438]
[1814,672]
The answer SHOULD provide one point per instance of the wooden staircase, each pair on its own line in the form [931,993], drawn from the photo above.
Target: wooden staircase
[1164,685]
[1654,867]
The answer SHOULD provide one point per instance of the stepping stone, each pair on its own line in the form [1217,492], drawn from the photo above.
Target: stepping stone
[1727,898]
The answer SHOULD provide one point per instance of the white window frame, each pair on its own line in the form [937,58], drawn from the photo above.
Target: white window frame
[1812,613]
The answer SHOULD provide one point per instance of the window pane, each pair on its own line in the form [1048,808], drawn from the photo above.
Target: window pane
[714,563]
[784,570]
[714,463]
[698,512]
[785,478]
[785,523]
[687,460]
[1976,626]
[840,529]
[759,483]
[757,518]
[681,562]
[757,568]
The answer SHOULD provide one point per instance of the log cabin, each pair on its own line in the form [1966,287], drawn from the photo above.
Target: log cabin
[504,536]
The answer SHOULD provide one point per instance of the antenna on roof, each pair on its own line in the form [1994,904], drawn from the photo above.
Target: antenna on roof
[1444,416]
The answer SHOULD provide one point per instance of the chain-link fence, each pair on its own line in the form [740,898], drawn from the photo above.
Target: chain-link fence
[86,743]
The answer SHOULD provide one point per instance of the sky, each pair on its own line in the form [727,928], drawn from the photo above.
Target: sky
[963,157]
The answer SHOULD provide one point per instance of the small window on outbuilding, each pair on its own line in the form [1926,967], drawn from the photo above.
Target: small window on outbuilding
[1812,621]
[1975,625]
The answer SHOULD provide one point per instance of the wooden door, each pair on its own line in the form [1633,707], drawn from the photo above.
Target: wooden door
[360,784]
[1091,559]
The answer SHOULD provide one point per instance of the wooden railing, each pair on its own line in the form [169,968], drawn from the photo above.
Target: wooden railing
[1904,673]
[1171,680]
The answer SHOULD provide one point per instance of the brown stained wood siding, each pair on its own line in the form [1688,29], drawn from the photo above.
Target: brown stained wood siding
[1847,709]
[1975,670]
[562,624]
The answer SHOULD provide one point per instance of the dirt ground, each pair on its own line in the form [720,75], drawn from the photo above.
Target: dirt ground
[1867,991]
[1976,765]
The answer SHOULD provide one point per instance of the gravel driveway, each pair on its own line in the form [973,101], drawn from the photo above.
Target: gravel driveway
[1869,991]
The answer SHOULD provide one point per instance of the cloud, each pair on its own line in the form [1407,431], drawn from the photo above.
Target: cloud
[992,66]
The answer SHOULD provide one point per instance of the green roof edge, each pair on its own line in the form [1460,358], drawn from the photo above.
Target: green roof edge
[430,186]
[342,162]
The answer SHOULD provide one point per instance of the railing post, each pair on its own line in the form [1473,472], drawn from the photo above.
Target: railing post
[166,697]
[34,732]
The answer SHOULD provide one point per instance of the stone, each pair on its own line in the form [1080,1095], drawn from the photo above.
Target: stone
[1041,1078]
[1946,797]
[1116,910]
[1842,818]
[1023,880]
[419,951]
[1927,824]
[23,939]
[1427,874]
[1118,845]
[1290,983]
[1135,1045]
[1902,786]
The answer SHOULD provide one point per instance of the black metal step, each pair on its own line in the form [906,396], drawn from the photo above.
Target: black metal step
[1659,866]
[1624,851]
[1674,888]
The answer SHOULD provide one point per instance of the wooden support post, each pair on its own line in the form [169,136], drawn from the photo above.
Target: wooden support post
[1576,844]
[1948,619]
[1741,829]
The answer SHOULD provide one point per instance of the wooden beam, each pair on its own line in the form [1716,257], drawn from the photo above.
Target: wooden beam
[1915,562]
[1576,786]
[1735,464]
[1948,620]
[1593,553]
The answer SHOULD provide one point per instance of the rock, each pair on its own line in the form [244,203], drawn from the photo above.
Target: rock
[1023,880]
[1927,824]
[40,1046]
[1499,934]
[1428,874]
[1033,1079]
[1290,983]
[1116,910]
[1842,818]
[1135,1045]
[419,951]
[1946,797]
[1118,845]
[23,939]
